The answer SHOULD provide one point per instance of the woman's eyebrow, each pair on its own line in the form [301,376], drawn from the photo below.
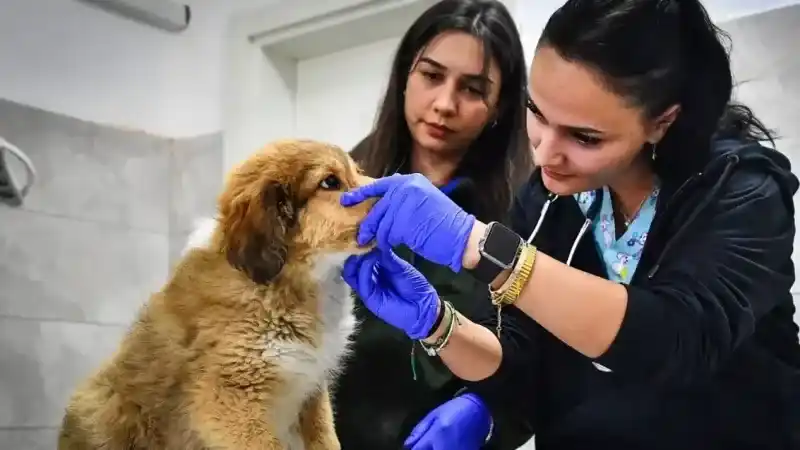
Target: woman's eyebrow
[468,76]
[573,129]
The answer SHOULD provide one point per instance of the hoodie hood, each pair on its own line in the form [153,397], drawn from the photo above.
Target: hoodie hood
[728,156]
[753,156]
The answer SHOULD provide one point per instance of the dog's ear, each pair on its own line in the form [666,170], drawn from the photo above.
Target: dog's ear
[256,229]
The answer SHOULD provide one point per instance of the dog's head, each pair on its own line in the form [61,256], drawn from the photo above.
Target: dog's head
[283,204]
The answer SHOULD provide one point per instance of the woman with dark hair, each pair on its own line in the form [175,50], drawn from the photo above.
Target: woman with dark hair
[643,290]
[454,112]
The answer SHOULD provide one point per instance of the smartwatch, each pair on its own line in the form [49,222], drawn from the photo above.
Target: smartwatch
[498,248]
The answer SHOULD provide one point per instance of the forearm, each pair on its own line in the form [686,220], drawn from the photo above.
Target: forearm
[582,310]
[472,353]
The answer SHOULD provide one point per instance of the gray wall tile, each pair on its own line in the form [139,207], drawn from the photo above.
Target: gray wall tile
[195,180]
[763,42]
[91,172]
[28,439]
[42,362]
[110,213]
[62,268]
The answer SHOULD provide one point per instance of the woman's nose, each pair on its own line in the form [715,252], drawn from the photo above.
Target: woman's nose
[545,151]
[445,102]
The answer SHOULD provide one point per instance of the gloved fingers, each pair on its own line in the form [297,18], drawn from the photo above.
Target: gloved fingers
[366,276]
[377,188]
[433,440]
[424,444]
[350,269]
[420,430]
[369,226]
[392,263]
[385,229]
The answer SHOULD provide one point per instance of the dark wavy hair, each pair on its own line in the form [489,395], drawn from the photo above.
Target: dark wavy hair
[657,53]
[499,160]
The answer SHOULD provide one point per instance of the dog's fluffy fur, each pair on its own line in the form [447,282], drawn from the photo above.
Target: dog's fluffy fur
[237,350]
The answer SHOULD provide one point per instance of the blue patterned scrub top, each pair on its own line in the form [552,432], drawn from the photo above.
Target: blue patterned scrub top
[621,256]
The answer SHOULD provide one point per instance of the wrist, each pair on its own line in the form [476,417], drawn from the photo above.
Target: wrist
[472,254]
[439,327]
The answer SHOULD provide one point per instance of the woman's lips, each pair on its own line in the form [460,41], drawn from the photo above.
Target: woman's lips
[555,175]
[437,131]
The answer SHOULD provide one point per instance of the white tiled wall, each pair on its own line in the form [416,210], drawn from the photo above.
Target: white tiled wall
[91,243]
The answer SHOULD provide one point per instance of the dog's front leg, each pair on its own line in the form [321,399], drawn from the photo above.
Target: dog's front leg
[229,418]
[316,423]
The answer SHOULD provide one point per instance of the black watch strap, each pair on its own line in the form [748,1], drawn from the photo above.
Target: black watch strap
[498,249]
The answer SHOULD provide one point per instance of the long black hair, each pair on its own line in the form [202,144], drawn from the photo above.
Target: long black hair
[657,53]
[499,160]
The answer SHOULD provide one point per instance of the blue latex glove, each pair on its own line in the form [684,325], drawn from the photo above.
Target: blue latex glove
[394,291]
[461,423]
[414,212]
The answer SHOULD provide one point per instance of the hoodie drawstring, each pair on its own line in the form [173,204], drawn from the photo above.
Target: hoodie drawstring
[594,209]
[591,214]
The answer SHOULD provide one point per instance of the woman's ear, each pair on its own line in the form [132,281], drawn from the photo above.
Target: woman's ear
[662,123]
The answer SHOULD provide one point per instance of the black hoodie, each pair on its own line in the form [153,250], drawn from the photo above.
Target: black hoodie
[707,356]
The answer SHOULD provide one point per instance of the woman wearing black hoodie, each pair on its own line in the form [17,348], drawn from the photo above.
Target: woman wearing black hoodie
[643,287]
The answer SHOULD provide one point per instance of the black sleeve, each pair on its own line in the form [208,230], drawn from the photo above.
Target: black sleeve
[510,393]
[712,288]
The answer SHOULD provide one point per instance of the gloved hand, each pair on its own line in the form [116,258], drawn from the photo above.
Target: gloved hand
[461,423]
[415,213]
[394,291]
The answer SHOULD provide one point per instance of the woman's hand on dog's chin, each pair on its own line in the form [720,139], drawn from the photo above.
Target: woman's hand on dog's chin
[393,290]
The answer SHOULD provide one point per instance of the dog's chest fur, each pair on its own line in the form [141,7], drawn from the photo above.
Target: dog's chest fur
[303,368]
[306,368]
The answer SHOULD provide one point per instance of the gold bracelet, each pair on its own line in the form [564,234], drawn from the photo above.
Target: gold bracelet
[529,258]
[512,287]
[520,278]
[518,260]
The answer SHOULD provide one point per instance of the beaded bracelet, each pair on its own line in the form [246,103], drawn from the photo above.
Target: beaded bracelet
[451,318]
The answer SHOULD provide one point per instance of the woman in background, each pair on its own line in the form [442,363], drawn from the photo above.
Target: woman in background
[453,111]
[645,286]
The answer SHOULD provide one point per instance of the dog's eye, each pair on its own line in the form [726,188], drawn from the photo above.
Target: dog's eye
[331,183]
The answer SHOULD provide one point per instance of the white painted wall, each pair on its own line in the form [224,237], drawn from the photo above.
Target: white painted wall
[338,94]
[66,57]
[532,15]
[258,101]
[63,56]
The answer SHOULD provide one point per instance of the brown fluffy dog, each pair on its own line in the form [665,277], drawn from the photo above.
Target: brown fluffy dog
[237,349]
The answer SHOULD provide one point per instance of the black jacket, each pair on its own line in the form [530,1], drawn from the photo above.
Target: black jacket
[707,356]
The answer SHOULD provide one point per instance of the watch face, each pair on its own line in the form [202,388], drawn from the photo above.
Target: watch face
[501,245]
